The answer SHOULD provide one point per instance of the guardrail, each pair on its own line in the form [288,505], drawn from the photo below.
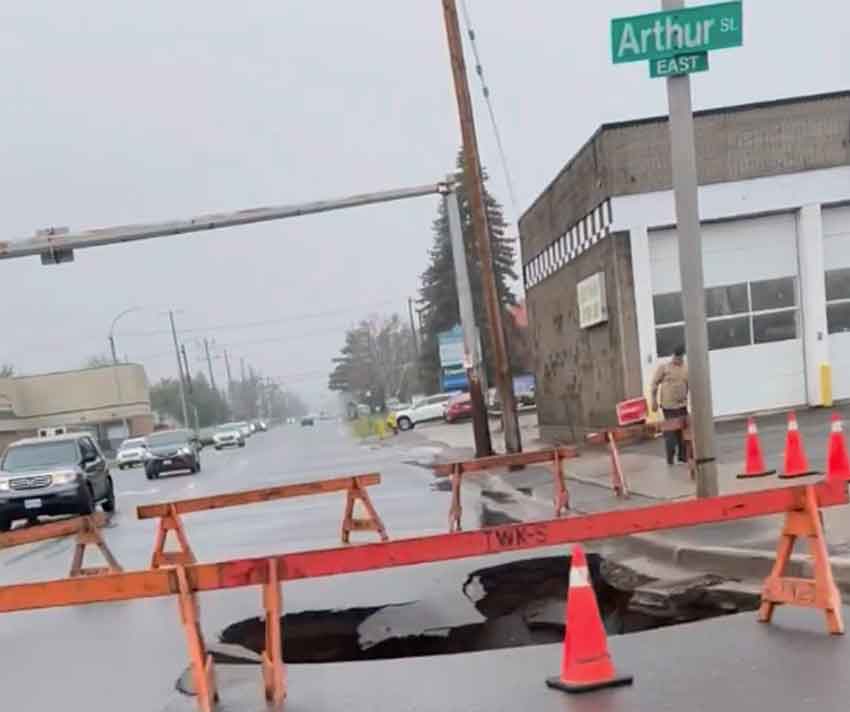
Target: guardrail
[88,534]
[456,470]
[801,505]
[170,520]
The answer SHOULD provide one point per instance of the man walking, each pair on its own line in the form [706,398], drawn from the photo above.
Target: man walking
[671,379]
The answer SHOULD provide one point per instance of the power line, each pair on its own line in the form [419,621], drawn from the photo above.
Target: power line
[265,322]
[479,70]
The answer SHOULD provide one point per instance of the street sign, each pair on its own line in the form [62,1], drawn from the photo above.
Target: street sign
[682,31]
[678,64]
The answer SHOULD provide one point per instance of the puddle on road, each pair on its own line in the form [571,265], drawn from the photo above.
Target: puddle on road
[520,603]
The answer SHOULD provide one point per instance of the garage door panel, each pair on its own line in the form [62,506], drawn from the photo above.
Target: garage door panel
[836,253]
[741,382]
[751,278]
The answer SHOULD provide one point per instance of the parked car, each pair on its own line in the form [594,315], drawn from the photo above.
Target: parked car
[459,408]
[131,453]
[172,451]
[206,435]
[245,428]
[308,420]
[262,426]
[64,474]
[228,436]
[429,408]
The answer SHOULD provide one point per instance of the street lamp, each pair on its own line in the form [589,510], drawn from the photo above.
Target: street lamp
[112,332]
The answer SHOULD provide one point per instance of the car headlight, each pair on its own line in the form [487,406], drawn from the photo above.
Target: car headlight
[4,484]
[64,478]
[184,451]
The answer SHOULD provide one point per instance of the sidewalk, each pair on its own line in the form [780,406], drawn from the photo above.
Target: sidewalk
[743,548]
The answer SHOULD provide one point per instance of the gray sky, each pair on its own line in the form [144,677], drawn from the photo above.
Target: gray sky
[116,112]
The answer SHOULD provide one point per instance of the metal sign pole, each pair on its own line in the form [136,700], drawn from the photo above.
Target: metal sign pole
[683,159]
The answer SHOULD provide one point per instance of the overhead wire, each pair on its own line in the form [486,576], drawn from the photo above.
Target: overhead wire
[479,70]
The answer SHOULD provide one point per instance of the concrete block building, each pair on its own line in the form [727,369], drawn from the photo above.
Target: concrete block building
[110,402]
[600,262]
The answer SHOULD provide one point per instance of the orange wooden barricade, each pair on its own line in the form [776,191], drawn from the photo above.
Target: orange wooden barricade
[169,513]
[87,530]
[801,505]
[456,470]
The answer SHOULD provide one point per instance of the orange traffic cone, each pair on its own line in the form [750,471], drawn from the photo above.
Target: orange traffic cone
[837,462]
[796,462]
[753,459]
[586,664]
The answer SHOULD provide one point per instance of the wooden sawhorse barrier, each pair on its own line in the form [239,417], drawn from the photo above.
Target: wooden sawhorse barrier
[456,470]
[801,505]
[87,530]
[169,513]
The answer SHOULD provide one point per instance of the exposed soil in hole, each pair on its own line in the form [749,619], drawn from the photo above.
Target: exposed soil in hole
[519,603]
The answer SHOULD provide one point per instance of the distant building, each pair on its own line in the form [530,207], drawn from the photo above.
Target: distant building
[600,262]
[108,401]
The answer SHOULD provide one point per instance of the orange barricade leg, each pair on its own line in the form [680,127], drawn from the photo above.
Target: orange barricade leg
[820,592]
[203,668]
[561,497]
[456,510]
[372,523]
[618,479]
[171,522]
[274,673]
[86,536]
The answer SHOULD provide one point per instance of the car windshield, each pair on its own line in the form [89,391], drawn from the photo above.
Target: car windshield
[135,442]
[28,457]
[175,437]
[227,428]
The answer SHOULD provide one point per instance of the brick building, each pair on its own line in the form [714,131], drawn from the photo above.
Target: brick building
[775,208]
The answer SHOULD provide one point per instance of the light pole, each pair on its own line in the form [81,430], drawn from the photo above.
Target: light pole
[112,332]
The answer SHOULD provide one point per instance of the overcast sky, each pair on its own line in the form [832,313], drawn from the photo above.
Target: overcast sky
[128,112]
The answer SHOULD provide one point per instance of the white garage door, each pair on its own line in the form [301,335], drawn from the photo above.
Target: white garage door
[836,260]
[752,306]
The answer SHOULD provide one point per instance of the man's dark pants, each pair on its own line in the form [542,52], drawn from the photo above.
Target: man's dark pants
[674,439]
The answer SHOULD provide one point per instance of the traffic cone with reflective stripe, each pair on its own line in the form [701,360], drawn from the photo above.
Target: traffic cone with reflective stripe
[796,462]
[837,462]
[586,664]
[753,459]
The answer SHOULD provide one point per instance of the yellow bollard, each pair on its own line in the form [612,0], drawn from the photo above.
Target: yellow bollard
[826,385]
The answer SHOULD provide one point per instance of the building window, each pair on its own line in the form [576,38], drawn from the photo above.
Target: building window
[773,294]
[837,300]
[741,315]
[728,300]
[729,333]
[668,308]
[667,338]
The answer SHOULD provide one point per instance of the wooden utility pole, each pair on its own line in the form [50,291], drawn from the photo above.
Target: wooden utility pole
[475,194]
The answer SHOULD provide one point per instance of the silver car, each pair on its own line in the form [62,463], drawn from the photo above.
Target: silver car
[131,453]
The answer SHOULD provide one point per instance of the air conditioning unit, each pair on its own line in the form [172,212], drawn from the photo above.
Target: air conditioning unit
[50,432]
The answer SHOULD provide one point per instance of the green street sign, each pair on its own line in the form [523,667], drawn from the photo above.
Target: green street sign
[684,31]
[678,64]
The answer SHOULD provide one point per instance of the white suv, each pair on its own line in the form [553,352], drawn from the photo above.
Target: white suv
[430,408]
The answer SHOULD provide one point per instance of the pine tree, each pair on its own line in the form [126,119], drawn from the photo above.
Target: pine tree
[438,291]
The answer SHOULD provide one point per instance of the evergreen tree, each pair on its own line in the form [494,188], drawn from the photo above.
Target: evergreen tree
[438,291]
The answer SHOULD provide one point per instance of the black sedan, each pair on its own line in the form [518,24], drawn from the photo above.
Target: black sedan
[172,451]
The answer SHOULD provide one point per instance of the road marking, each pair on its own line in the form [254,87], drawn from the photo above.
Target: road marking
[137,493]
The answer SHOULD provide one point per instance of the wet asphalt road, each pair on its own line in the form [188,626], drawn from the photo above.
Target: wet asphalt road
[127,655]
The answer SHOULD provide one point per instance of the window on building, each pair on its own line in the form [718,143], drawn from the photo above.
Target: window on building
[668,308]
[837,300]
[741,314]
[837,284]
[773,294]
[667,338]
[729,333]
[727,300]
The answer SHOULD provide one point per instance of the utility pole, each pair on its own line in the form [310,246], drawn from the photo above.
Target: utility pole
[189,384]
[684,163]
[179,370]
[112,349]
[229,377]
[209,365]
[413,327]
[472,356]
[475,194]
